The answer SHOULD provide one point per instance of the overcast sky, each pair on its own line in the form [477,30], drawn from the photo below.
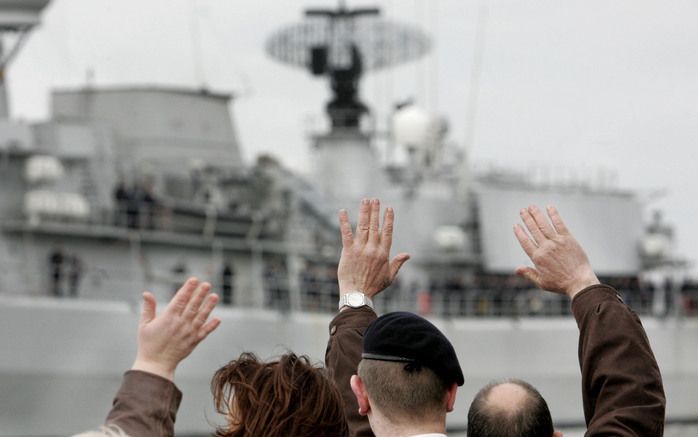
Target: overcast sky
[575,84]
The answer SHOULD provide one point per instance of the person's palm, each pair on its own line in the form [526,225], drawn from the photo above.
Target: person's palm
[165,340]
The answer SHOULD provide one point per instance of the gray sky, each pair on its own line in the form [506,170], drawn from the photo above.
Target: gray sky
[574,84]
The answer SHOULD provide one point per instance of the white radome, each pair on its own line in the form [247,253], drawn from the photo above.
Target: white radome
[656,246]
[449,237]
[42,168]
[417,129]
[41,203]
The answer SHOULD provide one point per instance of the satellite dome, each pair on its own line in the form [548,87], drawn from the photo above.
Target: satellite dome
[415,128]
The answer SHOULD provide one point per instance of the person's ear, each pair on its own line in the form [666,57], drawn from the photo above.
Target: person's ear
[357,386]
[557,434]
[451,397]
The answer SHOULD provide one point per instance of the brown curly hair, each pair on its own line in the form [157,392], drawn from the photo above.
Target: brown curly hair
[286,397]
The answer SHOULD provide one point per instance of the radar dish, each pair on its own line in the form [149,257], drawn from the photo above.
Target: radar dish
[342,44]
[381,43]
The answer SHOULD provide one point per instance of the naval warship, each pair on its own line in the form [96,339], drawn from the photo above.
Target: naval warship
[129,188]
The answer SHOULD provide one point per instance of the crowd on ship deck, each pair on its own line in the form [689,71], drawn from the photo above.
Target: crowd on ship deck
[451,295]
[136,205]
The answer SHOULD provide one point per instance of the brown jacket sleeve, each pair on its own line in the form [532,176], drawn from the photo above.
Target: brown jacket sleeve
[621,384]
[342,358]
[145,406]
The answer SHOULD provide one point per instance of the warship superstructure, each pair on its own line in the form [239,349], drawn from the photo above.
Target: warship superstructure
[138,187]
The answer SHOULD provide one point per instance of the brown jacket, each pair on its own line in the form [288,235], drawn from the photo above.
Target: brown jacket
[145,406]
[621,384]
[342,357]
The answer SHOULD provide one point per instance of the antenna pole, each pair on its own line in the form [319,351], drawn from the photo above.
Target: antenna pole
[197,51]
[434,73]
[475,73]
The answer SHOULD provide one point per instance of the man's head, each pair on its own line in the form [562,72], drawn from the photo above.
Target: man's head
[409,370]
[509,407]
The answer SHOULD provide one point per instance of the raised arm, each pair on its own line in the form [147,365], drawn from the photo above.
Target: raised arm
[146,404]
[364,267]
[621,384]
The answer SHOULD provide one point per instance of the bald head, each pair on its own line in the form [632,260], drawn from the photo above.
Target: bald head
[509,407]
[507,397]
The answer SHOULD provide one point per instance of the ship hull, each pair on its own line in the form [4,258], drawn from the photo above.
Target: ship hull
[62,361]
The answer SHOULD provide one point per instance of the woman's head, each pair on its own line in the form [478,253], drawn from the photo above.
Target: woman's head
[288,396]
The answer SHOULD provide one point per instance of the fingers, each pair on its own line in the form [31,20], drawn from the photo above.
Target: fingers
[195,302]
[397,263]
[529,273]
[183,296]
[374,222]
[532,227]
[541,222]
[149,305]
[526,244]
[559,225]
[387,231]
[208,328]
[345,228]
[362,225]
[205,310]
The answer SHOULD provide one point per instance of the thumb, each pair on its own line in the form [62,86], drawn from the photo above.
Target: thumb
[397,263]
[529,273]
[149,305]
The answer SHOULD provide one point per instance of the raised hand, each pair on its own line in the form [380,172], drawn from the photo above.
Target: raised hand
[165,340]
[364,264]
[560,264]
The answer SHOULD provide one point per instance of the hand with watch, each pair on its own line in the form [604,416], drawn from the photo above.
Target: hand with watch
[365,268]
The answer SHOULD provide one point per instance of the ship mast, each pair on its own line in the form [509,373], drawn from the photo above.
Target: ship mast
[18,18]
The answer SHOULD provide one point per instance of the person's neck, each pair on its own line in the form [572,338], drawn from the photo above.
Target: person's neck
[383,427]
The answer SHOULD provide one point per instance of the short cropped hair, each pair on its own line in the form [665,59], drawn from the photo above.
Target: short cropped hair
[284,397]
[105,431]
[403,391]
[530,419]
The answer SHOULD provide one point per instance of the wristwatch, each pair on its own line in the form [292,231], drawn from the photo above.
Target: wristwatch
[355,299]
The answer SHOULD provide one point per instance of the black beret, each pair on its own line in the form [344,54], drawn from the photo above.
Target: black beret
[409,338]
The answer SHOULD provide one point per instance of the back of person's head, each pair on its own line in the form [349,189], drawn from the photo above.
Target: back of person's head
[288,396]
[105,431]
[408,368]
[403,392]
[511,408]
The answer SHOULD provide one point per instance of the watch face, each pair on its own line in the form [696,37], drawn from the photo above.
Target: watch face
[355,299]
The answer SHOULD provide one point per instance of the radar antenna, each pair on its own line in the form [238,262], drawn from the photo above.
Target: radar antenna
[342,44]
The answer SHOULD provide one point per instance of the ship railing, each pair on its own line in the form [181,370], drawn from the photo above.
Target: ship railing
[321,295]
[167,218]
[530,302]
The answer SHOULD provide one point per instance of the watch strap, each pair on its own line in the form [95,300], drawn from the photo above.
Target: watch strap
[355,299]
